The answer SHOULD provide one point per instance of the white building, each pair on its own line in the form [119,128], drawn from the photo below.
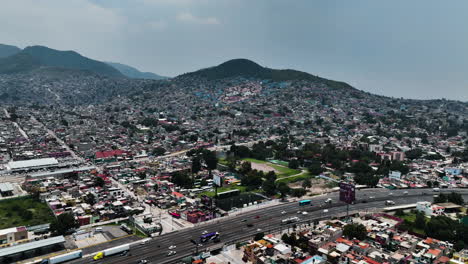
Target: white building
[428,209]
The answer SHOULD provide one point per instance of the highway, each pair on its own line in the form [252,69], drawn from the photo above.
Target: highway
[233,228]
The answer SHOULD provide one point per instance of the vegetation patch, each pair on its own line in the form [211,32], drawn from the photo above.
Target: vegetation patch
[23,211]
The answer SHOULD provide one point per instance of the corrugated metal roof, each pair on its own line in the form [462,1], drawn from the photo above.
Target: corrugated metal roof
[31,245]
[32,163]
[6,187]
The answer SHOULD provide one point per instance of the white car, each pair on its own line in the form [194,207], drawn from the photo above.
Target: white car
[171,253]
[284,212]
[299,212]
[325,210]
[172,247]
[305,213]
[329,200]
[204,232]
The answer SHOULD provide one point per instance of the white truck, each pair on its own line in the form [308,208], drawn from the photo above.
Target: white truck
[64,257]
[111,251]
[290,220]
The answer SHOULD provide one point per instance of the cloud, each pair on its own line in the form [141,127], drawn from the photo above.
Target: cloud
[189,18]
[157,25]
[73,24]
[167,2]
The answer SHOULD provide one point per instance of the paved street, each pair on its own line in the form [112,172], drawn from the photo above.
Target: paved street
[232,228]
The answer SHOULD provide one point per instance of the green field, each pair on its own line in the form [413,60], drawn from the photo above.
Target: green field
[24,211]
[224,189]
[411,217]
[300,177]
[282,170]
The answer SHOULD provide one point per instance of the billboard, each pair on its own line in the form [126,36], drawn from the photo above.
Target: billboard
[218,180]
[347,193]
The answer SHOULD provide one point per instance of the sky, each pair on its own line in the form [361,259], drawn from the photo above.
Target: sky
[400,48]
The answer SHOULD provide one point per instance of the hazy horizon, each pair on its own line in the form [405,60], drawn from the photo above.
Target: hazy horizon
[404,49]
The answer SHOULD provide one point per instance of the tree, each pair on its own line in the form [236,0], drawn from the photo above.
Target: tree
[459,245]
[298,192]
[293,164]
[181,178]
[211,160]
[420,221]
[399,212]
[441,198]
[283,188]
[98,181]
[269,187]
[63,224]
[196,166]
[306,184]
[429,184]
[232,162]
[259,236]
[285,238]
[246,167]
[159,151]
[455,198]
[90,199]
[357,231]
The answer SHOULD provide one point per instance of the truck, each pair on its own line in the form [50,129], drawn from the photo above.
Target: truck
[111,251]
[289,220]
[64,257]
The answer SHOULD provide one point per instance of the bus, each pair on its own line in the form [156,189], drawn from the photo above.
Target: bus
[304,202]
[209,236]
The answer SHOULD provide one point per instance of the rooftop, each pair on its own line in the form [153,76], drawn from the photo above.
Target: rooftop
[30,246]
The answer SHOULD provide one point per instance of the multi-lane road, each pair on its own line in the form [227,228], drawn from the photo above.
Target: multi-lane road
[265,220]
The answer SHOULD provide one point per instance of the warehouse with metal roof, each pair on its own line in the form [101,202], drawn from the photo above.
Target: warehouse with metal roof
[6,189]
[27,250]
[32,164]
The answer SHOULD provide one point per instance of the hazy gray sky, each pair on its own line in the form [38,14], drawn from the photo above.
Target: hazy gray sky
[401,48]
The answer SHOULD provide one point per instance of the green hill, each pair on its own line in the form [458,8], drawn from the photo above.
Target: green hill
[69,59]
[20,62]
[8,50]
[249,69]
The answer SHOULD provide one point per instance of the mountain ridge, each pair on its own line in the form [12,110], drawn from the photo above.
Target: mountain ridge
[8,50]
[246,68]
[134,73]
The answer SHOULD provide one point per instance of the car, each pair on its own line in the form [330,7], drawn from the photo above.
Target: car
[305,213]
[204,232]
[143,242]
[299,212]
[405,193]
[259,229]
[257,217]
[364,201]
[371,197]
[325,210]
[389,202]
[283,212]
[390,194]
[98,229]
[171,253]
[142,261]
[244,220]
[172,247]
[125,253]
[329,200]
[249,225]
